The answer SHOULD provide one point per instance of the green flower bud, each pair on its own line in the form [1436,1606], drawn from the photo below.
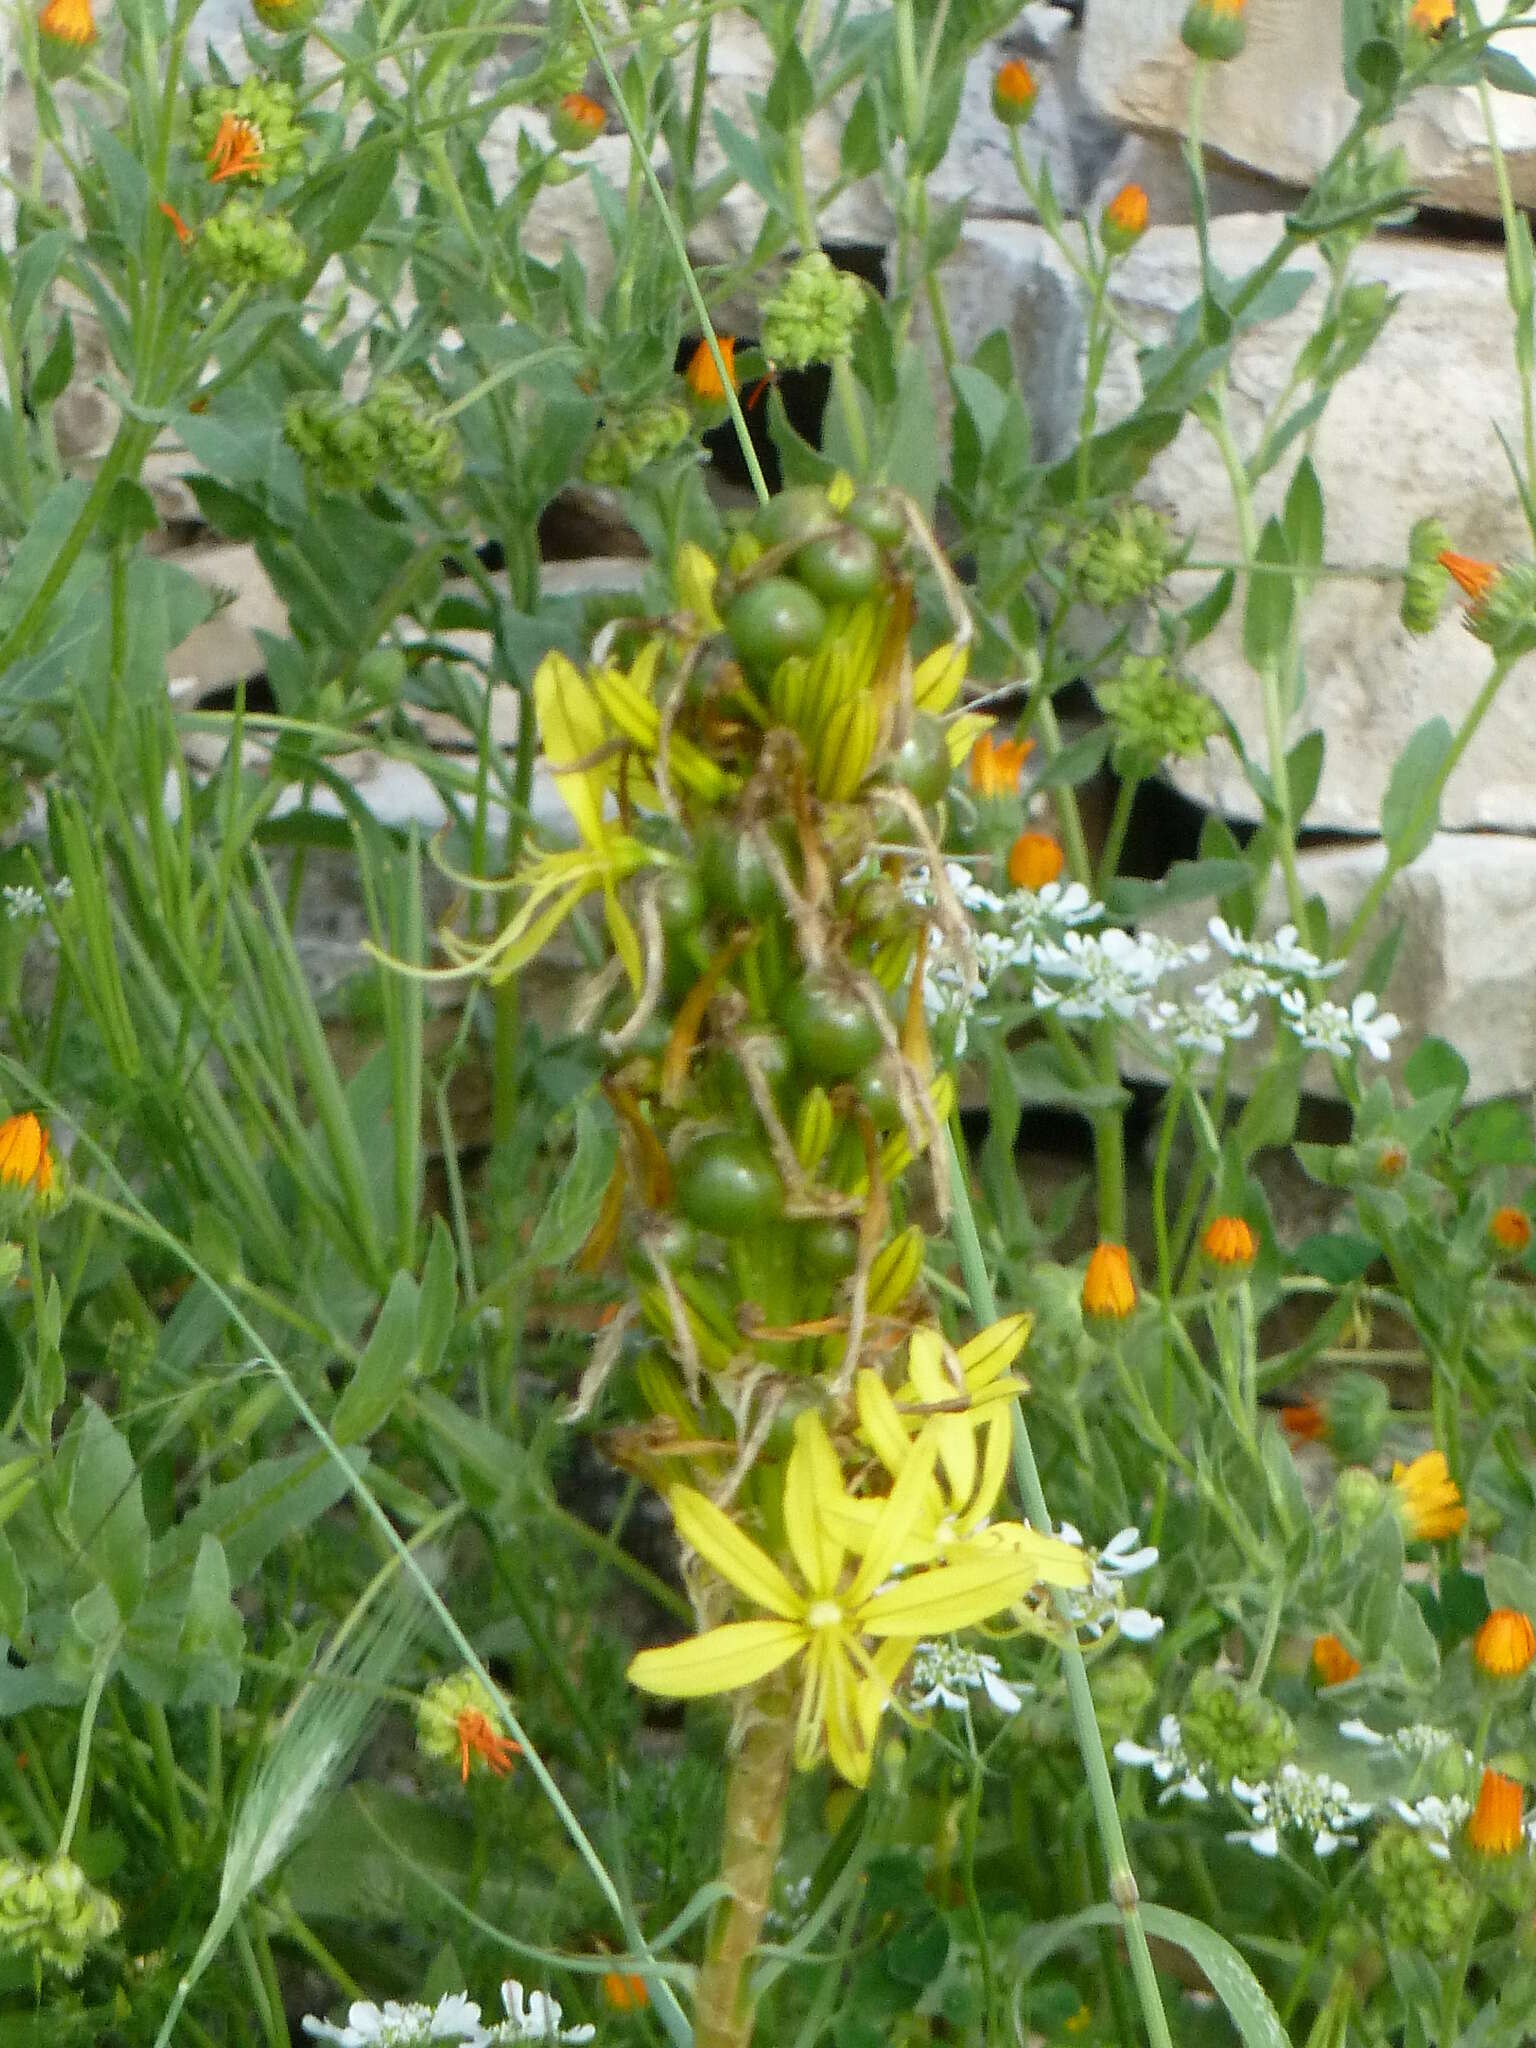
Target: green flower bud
[1426,1904]
[1124,557]
[812,316]
[421,452]
[1425,589]
[1358,1497]
[1215,29]
[270,109]
[622,447]
[1237,1735]
[1505,619]
[1155,714]
[1014,93]
[1123,1689]
[51,1911]
[1358,1407]
[242,245]
[285,17]
[335,440]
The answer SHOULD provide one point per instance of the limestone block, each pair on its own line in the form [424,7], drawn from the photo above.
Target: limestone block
[1282,108]
[1411,430]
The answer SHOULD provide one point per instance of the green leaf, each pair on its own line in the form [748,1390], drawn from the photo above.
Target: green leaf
[13,1593]
[1075,763]
[32,561]
[1507,74]
[1271,603]
[1231,1979]
[36,268]
[212,1633]
[1269,1115]
[53,373]
[1335,1257]
[1494,1134]
[1303,520]
[1412,1642]
[861,151]
[277,1498]
[1118,458]
[106,1506]
[1410,810]
[384,1368]
[1510,1584]
[1202,618]
[1303,773]
[439,1299]
[1376,1569]
[1432,1065]
[1187,881]
[566,1221]
[363,190]
[792,92]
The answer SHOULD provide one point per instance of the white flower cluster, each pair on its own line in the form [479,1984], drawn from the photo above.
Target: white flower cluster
[1439,1817]
[1169,1762]
[22,902]
[1085,975]
[1103,1605]
[531,2016]
[943,1673]
[1310,1802]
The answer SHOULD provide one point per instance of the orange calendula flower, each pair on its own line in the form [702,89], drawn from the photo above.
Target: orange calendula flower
[1229,1242]
[1505,1644]
[1428,1499]
[1497,1824]
[577,120]
[1475,578]
[1014,93]
[702,375]
[1034,859]
[183,232]
[478,1738]
[997,765]
[68,21]
[624,1991]
[1125,218]
[1305,1421]
[238,150]
[1332,1662]
[26,1156]
[1430,16]
[1108,1289]
[1510,1229]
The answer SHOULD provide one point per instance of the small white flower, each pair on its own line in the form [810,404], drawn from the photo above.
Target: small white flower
[1440,1820]
[1209,1023]
[1330,1028]
[1169,1762]
[1105,975]
[455,2018]
[1283,954]
[1309,1801]
[536,2020]
[21,900]
[942,1674]
[1357,1731]
[1103,1606]
[1139,1624]
[63,888]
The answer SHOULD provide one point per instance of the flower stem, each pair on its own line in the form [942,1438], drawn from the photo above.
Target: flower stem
[1090,1743]
[757,1792]
[83,1754]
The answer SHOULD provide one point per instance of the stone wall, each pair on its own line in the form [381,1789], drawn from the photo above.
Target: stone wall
[1414,429]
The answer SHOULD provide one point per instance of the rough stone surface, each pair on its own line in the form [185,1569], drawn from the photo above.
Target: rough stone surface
[1411,431]
[1281,107]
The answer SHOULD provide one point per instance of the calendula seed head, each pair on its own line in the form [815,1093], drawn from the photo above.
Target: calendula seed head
[812,316]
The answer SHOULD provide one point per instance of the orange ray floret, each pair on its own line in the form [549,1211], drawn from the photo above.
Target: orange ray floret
[26,1156]
[1510,1229]
[1497,1824]
[1127,213]
[1333,1662]
[1108,1289]
[183,232]
[997,765]
[239,150]
[1305,1421]
[478,1738]
[1428,1499]
[1229,1242]
[1505,1644]
[703,377]
[1034,860]
[1475,578]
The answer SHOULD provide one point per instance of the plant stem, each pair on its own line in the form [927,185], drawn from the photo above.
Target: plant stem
[165,1766]
[83,1754]
[755,1799]
[1090,1743]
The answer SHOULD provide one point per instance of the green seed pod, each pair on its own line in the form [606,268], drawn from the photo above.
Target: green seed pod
[734,874]
[792,515]
[878,513]
[728,1185]
[842,567]
[921,762]
[830,1249]
[241,245]
[830,1029]
[773,620]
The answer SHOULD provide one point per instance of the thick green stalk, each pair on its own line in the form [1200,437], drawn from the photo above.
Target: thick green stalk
[1090,1743]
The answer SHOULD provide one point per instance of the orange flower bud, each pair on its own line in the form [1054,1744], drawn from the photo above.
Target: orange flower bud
[68,21]
[1429,17]
[1108,1289]
[1496,1827]
[997,765]
[703,377]
[26,1156]
[625,1992]
[1229,1242]
[1125,219]
[1332,1661]
[1505,1644]
[1428,1499]
[1305,1421]
[1510,1229]
[577,120]
[1014,93]
[1034,859]
[1475,578]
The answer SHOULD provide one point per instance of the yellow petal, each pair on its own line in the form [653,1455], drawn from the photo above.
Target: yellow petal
[962,733]
[997,1444]
[571,726]
[880,1420]
[899,1518]
[937,678]
[953,1596]
[732,1553]
[995,1348]
[850,1731]
[813,1484]
[720,1660]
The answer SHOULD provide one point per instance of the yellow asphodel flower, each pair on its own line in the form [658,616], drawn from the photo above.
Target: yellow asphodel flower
[967,1393]
[853,1638]
[953,1507]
